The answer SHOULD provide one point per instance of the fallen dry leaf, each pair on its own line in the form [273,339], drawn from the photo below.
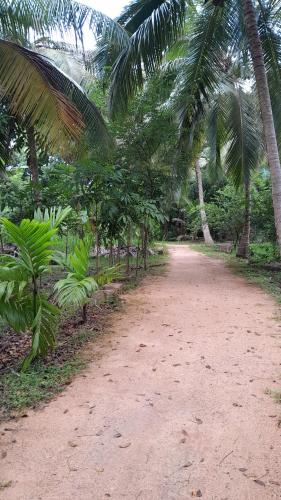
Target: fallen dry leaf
[197,493]
[258,481]
[72,444]
[125,445]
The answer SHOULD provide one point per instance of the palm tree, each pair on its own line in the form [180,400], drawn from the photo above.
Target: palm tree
[220,32]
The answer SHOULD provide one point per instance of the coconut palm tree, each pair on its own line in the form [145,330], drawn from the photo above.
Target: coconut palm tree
[221,31]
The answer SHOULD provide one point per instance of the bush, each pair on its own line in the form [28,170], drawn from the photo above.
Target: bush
[263,252]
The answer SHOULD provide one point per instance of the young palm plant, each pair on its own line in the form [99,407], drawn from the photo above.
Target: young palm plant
[76,289]
[23,305]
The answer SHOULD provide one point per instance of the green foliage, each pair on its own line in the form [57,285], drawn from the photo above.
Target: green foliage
[41,382]
[263,252]
[108,275]
[22,305]
[55,215]
[224,212]
[262,218]
[77,287]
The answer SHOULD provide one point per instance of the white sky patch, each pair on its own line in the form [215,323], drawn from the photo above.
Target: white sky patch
[111,8]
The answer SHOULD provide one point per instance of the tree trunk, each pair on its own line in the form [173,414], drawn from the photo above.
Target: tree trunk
[32,162]
[205,226]
[137,260]
[128,250]
[84,313]
[118,252]
[111,253]
[1,242]
[97,251]
[243,245]
[145,244]
[250,17]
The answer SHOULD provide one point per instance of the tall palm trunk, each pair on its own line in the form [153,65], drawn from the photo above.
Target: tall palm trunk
[205,226]
[266,110]
[32,162]
[244,243]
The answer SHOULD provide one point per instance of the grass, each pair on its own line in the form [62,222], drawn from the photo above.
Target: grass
[41,382]
[46,379]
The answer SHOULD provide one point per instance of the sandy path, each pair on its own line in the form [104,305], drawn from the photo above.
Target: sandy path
[190,403]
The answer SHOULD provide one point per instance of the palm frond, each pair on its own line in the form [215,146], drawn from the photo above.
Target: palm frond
[77,287]
[216,135]
[156,25]
[108,275]
[269,24]
[78,261]
[17,312]
[55,215]
[207,62]
[43,96]
[73,291]
[44,328]
[34,241]
[243,135]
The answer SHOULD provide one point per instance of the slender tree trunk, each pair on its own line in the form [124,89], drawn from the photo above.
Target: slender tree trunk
[84,313]
[145,241]
[137,260]
[118,252]
[256,51]
[32,162]
[243,245]
[2,242]
[128,250]
[165,230]
[111,253]
[66,244]
[98,251]
[205,226]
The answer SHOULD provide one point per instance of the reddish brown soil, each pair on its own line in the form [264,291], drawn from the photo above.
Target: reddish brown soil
[175,407]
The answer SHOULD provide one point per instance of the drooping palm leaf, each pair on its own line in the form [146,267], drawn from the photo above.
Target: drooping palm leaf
[74,291]
[207,61]
[216,134]
[269,23]
[19,17]
[156,25]
[243,135]
[44,328]
[44,97]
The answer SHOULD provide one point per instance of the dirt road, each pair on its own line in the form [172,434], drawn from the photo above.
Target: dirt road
[175,407]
